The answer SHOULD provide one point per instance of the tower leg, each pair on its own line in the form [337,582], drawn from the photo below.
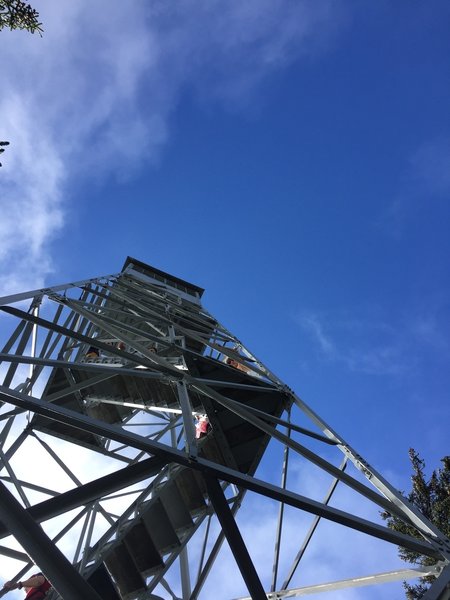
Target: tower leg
[234,538]
[64,578]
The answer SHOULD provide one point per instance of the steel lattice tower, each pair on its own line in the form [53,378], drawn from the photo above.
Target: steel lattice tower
[105,377]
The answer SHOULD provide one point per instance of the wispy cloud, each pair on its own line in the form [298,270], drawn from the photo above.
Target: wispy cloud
[376,344]
[428,329]
[94,96]
[348,340]
[425,180]
[312,324]
[430,166]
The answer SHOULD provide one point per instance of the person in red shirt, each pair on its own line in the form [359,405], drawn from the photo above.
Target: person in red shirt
[35,587]
[202,426]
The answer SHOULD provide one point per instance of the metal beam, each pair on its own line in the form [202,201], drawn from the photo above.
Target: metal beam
[150,362]
[10,553]
[311,531]
[187,412]
[331,586]
[57,288]
[71,389]
[277,547]
[107,369]
[440,589]
[234,538]
[206,569]
[314,458]
[63,576]
[407,509]
[290,426]
[169,454]
[399,502]
[48,509]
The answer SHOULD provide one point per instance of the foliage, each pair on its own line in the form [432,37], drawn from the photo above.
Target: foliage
[432,498]
[2,149]
[15,14]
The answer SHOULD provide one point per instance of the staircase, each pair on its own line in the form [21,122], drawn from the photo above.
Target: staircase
[147,546]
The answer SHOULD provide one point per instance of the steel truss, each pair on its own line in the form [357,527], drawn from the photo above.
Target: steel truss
[115,369]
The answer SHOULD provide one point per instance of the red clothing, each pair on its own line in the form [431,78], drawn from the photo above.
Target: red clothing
[201,429]
[38,593]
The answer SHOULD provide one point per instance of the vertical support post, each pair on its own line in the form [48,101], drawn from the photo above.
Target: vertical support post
[186,411]
[280,513]
[184,561]
[63,576]
[33,348]
[234,538]
[440,589]
[185,575]
[205,570]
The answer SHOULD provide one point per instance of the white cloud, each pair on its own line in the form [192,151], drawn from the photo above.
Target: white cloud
[425,182]
[31,197]
[311,323]
[379,341]
[365,343]
[93,96]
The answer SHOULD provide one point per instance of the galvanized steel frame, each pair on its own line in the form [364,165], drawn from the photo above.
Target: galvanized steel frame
[157,306]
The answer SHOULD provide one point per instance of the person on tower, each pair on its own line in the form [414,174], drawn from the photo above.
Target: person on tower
[202,426]
[92,352]
[35,587]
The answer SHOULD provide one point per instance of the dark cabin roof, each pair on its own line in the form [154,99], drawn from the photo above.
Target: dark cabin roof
[150,271]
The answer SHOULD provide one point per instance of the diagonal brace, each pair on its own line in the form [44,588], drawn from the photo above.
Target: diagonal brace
[234,538]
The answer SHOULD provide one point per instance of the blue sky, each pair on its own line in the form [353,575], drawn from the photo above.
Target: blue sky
[292,158]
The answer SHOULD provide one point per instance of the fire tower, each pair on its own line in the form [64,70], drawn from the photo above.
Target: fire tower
[134,425]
